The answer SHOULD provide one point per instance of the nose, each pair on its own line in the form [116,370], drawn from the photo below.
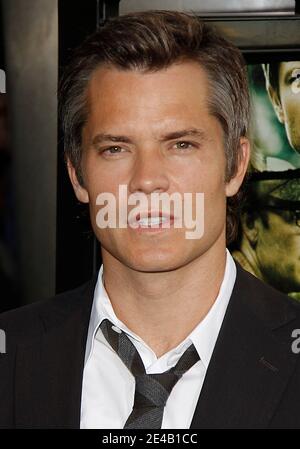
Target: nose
[148,174]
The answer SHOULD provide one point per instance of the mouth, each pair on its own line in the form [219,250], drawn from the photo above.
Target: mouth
[152,221]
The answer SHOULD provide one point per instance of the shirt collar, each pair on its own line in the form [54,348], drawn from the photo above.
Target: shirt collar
[203,336]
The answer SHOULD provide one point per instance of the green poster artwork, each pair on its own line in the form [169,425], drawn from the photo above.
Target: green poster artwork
[269,238]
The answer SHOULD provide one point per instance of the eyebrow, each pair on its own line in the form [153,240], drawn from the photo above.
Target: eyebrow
[195,132]
[200,133]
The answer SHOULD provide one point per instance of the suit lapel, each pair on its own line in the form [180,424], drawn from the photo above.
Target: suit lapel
[251,363]
[249,369]
[50,369]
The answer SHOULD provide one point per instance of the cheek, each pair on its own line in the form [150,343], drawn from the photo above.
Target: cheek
[213,187]
[201,175]
[215,195]
[99,178]
[278,238]
[269,238]
[104,176]
[291,106]
[99,182]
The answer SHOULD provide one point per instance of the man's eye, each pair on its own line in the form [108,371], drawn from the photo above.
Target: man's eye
[112,150]
[295,81]
[183,145]
[295,75]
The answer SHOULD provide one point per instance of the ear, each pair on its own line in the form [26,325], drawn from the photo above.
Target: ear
[250,228]
[233,185]
[273,95]
[80,192]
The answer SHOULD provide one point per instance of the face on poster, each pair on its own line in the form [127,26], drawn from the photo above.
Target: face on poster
[275,127]
[269,242]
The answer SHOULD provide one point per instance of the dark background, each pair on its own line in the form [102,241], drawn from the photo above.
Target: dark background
[10,292]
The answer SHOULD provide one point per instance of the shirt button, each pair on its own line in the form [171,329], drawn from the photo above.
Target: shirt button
[116,329]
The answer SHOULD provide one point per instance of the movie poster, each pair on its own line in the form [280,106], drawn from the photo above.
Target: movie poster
[269,239]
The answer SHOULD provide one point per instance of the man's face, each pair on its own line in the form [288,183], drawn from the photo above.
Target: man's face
[289,97]
[278,249]
[147,110]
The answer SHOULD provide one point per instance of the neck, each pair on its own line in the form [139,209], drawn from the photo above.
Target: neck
[163,308]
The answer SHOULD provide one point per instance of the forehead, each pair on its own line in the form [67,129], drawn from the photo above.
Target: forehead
[132,99]
[112,88]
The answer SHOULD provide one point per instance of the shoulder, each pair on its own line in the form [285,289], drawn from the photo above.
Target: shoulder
[264,300]
[31,320]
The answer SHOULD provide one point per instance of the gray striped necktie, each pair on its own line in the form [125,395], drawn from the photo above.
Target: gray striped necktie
[151,390]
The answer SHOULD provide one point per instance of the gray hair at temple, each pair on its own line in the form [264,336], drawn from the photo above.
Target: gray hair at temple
[150,41]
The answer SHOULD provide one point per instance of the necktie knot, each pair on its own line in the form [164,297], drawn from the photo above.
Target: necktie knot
[151,390]
[154,389]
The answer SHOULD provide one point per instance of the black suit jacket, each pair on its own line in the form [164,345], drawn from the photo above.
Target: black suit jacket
[253,379]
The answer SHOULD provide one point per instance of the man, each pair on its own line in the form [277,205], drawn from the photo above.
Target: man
[283,87]
[170,333]
[270,228]
[268,246]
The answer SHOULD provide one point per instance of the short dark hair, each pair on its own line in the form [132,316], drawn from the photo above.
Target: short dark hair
[150,41]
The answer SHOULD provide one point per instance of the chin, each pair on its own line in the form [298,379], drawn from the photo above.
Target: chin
[155,263]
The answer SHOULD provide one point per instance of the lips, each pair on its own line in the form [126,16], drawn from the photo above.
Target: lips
[153,214]
[142,219]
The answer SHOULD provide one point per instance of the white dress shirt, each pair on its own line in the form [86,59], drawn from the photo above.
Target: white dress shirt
[108,386]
